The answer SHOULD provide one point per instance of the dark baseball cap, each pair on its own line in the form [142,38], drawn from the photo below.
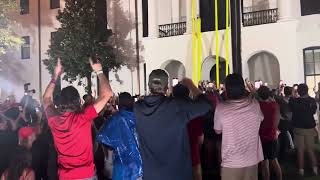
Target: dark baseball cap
[158,78]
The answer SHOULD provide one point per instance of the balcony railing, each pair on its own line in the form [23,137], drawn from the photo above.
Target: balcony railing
[174,29]
[260,17]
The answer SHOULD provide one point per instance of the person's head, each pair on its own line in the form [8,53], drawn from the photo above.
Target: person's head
[69,100]
[11,114]
[264,93]
[158,82]
[20,162]
[180,91]
[88,99]
[235,87]
[288,91]
[27,135]
[126,101]
[303,89]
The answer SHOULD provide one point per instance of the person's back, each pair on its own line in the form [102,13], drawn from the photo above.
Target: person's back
[72,136]
[163,137]
[303,109]
[162,130]
[268,128]
[239,119]
[268,134]
[119,133]
[71,126]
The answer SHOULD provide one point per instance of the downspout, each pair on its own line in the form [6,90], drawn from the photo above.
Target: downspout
[39,50]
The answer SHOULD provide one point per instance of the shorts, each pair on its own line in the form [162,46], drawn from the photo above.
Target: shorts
[270,150]
[305,138]
[246,173]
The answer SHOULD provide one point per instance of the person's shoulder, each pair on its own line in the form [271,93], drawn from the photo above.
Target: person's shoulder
[139,102]
[311,99]
[223,105]
[178,100]
[52,119]
[121,114]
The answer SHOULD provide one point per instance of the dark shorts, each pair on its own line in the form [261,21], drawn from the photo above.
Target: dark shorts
[270,150]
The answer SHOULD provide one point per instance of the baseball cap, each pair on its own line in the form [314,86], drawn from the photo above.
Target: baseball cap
[158,78]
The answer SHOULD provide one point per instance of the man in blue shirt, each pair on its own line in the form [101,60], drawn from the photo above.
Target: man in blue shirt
[119,132]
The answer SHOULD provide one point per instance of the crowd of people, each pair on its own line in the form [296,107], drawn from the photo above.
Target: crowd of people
[238,131]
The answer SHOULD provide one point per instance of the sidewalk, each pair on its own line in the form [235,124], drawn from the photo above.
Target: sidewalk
[289,168]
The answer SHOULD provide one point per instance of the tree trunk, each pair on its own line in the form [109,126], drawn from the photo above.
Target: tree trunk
[89,84]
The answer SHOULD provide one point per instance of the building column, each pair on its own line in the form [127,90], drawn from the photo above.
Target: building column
[189,18]
[153,18]
[285,10]
[175,11]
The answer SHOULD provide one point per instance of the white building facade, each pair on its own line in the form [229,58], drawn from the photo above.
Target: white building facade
[280,41]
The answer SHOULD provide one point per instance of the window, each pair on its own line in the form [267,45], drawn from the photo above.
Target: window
[54,4]
[309,7]
[25,48]
[145,23]
[207,15]
[24,7]
[312,67]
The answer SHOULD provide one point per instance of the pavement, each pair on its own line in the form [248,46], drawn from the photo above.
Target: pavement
[288,167]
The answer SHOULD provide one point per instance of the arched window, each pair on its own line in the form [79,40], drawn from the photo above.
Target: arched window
[311,57]
[175,69]
[208,69]
[264,66]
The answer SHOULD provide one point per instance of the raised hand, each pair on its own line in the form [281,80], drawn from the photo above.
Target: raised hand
[191,86]
[95,66]
[187,82]
[58,70]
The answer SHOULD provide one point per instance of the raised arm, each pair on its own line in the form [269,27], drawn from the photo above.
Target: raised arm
[105,91]
[199,106]
[48,94]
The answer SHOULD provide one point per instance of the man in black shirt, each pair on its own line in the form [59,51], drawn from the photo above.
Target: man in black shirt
[303,110]
[162,129]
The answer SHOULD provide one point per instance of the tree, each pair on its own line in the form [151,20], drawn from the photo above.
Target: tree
[79,37]
[8,40]
[122,25]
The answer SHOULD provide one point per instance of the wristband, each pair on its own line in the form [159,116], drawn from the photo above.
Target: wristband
[99,72]
[53,81]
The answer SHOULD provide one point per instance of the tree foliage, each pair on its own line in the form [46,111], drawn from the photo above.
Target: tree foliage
[8,40]
[123,40]
[78,38]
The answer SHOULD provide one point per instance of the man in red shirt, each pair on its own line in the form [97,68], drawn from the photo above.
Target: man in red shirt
[71,125]
[268,133]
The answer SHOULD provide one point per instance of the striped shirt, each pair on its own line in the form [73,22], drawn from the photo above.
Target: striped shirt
[239,121]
